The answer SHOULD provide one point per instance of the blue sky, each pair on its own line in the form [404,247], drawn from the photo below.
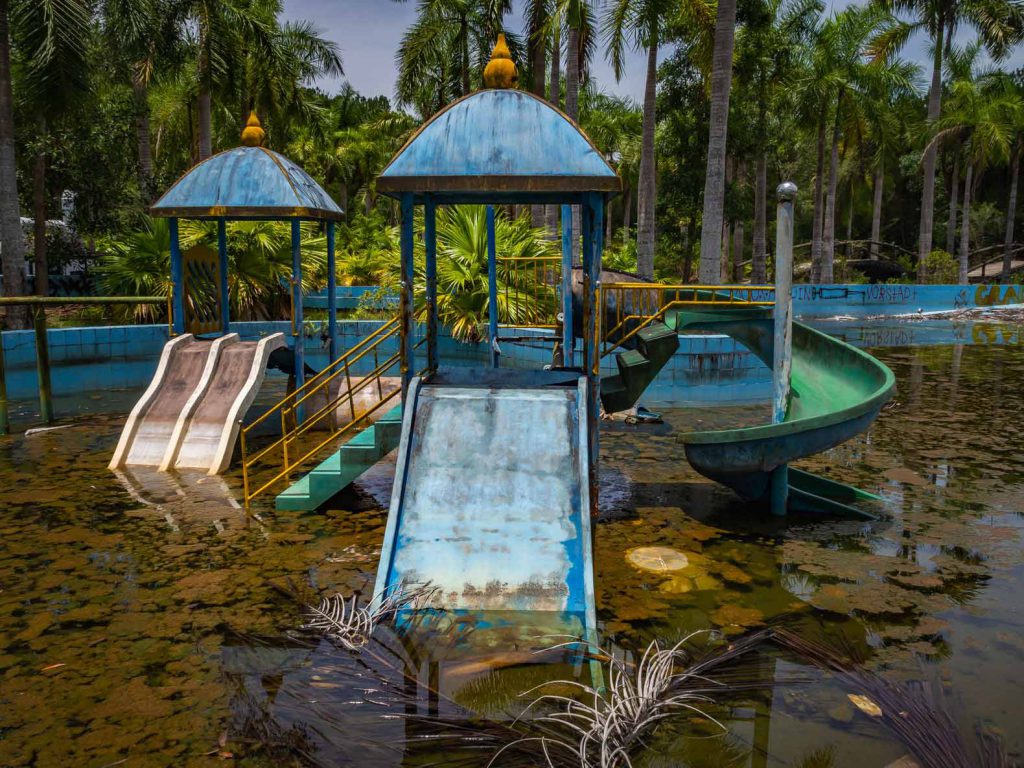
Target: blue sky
[369,32]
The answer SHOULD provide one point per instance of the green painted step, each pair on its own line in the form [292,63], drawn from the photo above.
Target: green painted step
[638,367]
[343,466]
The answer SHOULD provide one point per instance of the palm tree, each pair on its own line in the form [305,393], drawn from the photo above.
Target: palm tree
[643,20]
[444,52]
[983,114]
[999,23]
[615,125]
[714,181]
[12,238]
[767,60]
[54,77]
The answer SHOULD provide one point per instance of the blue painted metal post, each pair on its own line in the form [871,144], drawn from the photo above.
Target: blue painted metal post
[222,259]
[492,287]
[177,281]
[568,340]
[332,296]
[298,330]
[593,223]
[405,304]
[782,361]
[430,243]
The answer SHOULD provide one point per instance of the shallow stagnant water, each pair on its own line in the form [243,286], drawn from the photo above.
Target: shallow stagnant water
[145,620]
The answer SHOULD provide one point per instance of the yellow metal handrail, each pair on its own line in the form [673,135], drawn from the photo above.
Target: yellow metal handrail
[547,275]
[320,384]
[650,301]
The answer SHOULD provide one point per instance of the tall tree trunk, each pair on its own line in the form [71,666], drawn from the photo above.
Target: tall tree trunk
[965,225]
[737,251]
[39,213]
[725,268]
[12,238]
[552,213]
[924,243]
[828,227]
[688,253]
[1011,212]
[465,56]
[142,138]
[538,58]
[572,96]
[205,123]
[714,180]
[819,180]
[627,210]
[954,190]
[647,185]
[876,208]
[759,256]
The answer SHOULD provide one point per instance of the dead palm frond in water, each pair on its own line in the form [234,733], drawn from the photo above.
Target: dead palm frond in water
[606,728]
[350,623]
[912,712]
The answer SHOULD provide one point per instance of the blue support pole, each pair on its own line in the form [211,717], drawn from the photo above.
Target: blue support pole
[332,296]
[593,218]
[430,242]
[406,305]
[177,281]
[222,258]
[298,330]
[568,340]
[782,361]
[492,287]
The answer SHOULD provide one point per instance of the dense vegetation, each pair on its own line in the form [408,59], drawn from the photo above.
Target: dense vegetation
[114,99]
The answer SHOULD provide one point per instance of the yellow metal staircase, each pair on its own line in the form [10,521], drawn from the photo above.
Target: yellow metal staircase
[362,411]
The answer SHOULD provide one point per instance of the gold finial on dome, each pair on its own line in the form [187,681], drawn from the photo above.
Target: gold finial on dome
[500,71]
[253,133]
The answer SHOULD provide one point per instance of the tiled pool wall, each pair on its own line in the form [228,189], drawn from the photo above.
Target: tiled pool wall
[124,357]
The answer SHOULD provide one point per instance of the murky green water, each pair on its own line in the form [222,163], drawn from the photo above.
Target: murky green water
[144,620]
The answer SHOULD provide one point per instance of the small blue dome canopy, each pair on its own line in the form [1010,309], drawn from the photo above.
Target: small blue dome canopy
[498,141]
[247,182]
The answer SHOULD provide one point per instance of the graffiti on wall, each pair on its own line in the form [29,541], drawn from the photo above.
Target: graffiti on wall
[998,295]
[857,294]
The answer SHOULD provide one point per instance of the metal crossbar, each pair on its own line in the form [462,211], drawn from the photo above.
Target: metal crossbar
[292,450]
[636,305]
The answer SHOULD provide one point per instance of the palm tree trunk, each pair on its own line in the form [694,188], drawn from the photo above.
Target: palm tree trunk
[828,228]
[876,208]
[647,185]
[1011,212]
[39,213]
[725,268]
[737,251]
[965,225]
[205,123]
[142,139]
[819,176]
[465,56]
[627,210]
[12,239]
[759,256]
[572,96]
[714,180]
[538,51]
[954,189]
[553,212]
[924,246]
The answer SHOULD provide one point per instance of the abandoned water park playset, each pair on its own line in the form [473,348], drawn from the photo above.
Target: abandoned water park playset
[497,464]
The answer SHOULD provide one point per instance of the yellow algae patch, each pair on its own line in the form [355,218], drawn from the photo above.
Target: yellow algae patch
[657,559]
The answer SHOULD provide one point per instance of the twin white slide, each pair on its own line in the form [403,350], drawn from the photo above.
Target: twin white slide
[188,417]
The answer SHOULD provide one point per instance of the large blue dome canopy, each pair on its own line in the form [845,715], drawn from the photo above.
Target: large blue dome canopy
[247,182]
[498,141]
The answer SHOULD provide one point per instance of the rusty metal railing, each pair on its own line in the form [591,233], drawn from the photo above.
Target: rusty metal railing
[530,284]
[303,438]
[636,305]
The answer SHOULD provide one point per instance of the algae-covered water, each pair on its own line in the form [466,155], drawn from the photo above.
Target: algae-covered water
[144,620]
